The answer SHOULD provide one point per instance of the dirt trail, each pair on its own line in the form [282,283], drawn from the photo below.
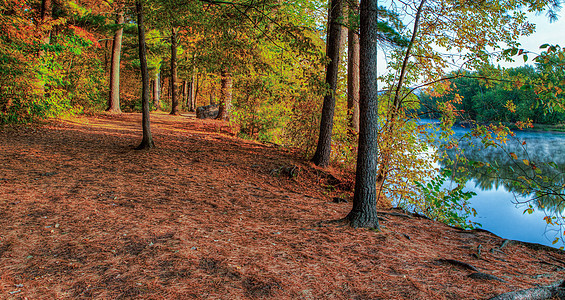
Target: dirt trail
[207,215]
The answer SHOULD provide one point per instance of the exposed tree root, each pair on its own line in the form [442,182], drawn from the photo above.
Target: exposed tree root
[394,214]
[504,243]
[476,275]
[145,145]
[533,246]
[554,291]
[459,264]
[484,276]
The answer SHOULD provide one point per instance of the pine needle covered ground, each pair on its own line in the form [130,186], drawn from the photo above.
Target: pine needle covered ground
[209,215]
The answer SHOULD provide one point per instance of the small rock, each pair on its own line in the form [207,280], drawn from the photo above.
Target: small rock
[207,112]
[48,174]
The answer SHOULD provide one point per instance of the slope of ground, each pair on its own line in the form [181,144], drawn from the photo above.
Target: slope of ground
[208,215]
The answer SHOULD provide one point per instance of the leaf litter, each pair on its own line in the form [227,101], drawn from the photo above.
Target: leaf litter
[209,215]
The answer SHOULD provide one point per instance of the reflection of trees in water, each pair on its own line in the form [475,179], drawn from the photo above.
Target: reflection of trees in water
[540,178]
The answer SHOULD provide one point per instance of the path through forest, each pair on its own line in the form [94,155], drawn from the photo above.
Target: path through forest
[209,215]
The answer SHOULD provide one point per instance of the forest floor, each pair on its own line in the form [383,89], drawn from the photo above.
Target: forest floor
[208,215]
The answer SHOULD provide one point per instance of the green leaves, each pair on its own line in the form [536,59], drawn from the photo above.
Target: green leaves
[446,205]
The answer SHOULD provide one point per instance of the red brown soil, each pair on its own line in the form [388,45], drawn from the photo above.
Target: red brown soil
[203,215]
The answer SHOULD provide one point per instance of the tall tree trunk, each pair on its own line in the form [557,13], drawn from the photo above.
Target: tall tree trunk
[174,75]
[353,68]
[323,150]
[190,92]
[162,87]
[225,101]
[195,88]
[157,91]
[46,12]
[147,141]
[212,93]
[185,94]
[114,97]
[106,59]
[364,211]
[166,87]
[46,15]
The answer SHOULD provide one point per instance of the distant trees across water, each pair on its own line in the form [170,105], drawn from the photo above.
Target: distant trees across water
[515,98]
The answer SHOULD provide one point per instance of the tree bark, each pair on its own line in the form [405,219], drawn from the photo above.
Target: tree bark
[193,92]
[364,211]
[46,15]
[114,97]
[225,101]
[185,92]
[199,82]
[190,95]
[552,291]
[174,75]
[106,59]
[166,87]
[323,150]
[353,69]
[157,91]
[212,93]
[147,141]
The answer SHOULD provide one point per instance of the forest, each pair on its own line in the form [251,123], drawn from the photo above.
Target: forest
[501,100]
[297,76]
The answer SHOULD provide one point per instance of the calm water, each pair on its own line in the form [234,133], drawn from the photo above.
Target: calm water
[500,202]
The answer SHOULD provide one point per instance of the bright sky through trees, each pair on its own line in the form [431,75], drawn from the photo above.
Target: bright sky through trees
[546,32]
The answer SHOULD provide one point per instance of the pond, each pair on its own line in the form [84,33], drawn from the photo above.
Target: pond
[501,201]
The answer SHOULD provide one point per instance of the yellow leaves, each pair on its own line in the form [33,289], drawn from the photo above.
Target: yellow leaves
[514,156]
[524,124]
[548,220]
[457,99]
[526,162]
[510,106]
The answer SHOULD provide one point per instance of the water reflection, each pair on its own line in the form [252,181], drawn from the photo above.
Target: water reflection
[527,170]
